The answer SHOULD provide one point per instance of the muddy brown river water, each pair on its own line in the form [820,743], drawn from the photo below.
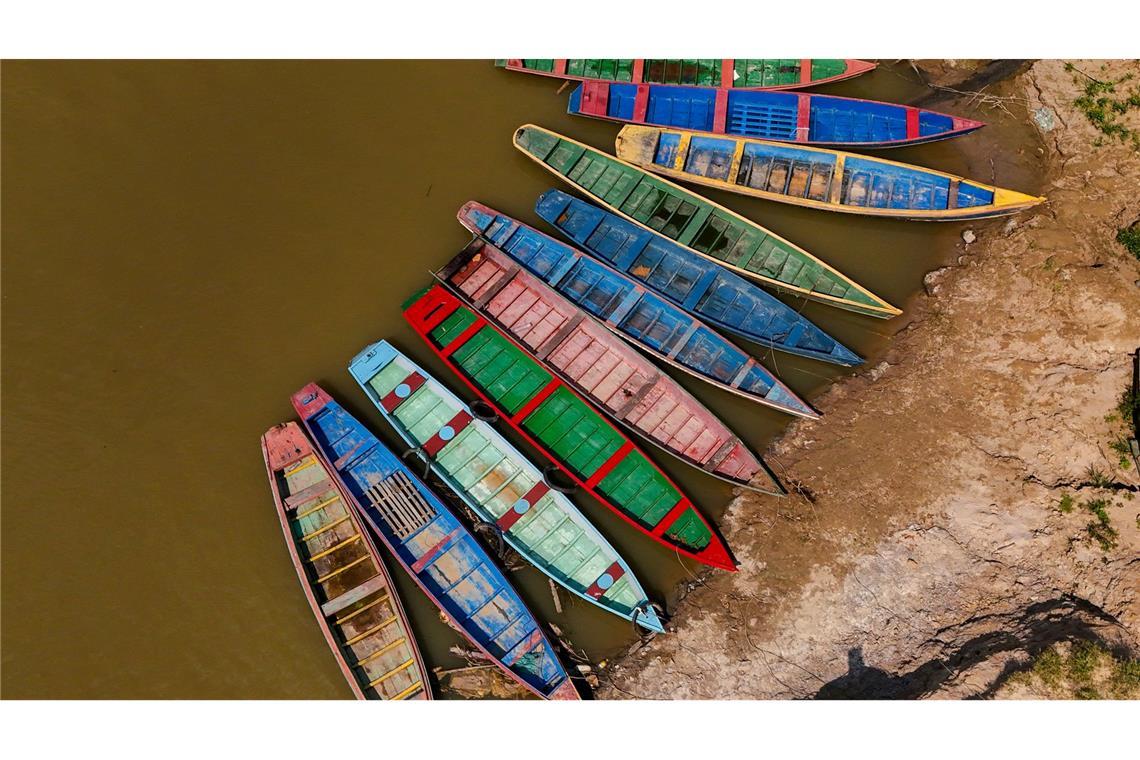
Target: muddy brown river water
[186,243]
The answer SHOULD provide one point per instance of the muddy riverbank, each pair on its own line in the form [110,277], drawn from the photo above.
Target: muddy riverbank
[959,508]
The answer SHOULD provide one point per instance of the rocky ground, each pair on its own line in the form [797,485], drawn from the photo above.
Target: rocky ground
[957,501]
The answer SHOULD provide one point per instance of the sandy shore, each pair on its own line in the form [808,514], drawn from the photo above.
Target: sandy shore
[927,553]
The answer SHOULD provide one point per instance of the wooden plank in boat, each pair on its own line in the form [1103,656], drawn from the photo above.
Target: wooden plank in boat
[352,596]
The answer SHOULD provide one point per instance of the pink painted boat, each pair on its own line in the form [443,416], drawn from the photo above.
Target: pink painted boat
[601,366]
[341,573]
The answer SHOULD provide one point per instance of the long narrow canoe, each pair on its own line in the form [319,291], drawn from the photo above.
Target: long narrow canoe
[815,177]
[554,419]
[499,484]
[431,544]
[710,230]
[737,73]
[342,575]
[656,325]
[692,282]
[600,366]
[804,118]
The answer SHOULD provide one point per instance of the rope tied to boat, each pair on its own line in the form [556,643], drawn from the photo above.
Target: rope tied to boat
[548,477]
[481,410]
[424,457]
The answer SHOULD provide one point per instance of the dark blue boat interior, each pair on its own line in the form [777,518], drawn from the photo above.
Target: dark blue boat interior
[801,173]
[770,115]
[645,317]
[429,540]
[718,296]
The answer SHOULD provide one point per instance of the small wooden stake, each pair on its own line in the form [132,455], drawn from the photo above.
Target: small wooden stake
[557,599]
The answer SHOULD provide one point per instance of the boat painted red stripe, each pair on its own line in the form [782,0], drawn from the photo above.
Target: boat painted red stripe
[720,112]
[638,71]
[402,392]
[609,464]
[463,337]
[805,71]
[430,555]
[803,118]
[671,517]
[595,98]
[341,463]
[559,67]
[911,123]
[507,520]
[536,399]
[446,433]
[597,590]
[727,67]
[641,103]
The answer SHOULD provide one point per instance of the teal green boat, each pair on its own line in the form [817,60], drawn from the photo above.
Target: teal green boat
[499,484]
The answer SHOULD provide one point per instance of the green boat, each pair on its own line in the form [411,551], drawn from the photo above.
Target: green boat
[499,484]
[700,225]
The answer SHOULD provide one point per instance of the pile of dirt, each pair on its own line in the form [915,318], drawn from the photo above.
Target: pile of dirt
[944,530]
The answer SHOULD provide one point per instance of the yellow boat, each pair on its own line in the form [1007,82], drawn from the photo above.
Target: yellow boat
[832,180]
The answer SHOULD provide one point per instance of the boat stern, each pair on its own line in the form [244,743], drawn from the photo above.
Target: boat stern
[310,400]
[961,126]
[283,444]
[637,144]
[855,67]
[1009,201]
[647,618]
[565,692]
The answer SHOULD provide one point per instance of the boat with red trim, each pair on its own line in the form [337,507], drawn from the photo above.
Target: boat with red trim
[552,417]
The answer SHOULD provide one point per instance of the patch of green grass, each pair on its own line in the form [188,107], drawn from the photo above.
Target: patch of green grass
[1083,660]
[1101,530]
[1129,403]
[1103,106]
[1122,450]
[1126,676]
[1066,504]
[1129,237]
[1049,667]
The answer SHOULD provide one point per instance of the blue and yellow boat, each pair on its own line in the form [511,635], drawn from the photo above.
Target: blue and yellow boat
[815,177]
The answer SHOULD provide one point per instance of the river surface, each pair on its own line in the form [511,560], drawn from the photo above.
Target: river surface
[186,243]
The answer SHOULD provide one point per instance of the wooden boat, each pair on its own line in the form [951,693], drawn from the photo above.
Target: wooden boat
[735,73]
[340,570]
[431,544]
[692,282]
[656,325]
[710,230]
[499,484]
[817,178]
[601,367]
[803,118]
[596,455]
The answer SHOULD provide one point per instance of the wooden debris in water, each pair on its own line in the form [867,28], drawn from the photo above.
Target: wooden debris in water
[557,599]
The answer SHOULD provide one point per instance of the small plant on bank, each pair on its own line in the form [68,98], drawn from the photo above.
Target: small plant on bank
[1096,477]
[1101,530]
[1066,504]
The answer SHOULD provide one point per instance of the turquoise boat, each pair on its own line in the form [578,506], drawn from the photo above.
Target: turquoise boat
[499,484]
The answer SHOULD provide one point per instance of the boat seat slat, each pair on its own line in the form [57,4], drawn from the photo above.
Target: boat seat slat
[350,540]
[353,595]
[382,650]
[417,686]
[325,528]
[342,568]
[399,668]
[374,629]
[316,507]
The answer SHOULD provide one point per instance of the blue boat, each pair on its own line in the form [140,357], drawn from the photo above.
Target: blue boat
[431,544]
[499,484]
[651,323]
[692,282]
[804,118]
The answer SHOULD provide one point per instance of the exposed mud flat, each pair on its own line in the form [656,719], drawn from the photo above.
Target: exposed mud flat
[926,554]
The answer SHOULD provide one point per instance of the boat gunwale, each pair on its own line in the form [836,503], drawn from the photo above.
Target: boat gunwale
[883,311]
[991,209]
[716,540]
[853,70]
[466,497]
[811,414]
[572,384]
[459,627]
[306,584]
